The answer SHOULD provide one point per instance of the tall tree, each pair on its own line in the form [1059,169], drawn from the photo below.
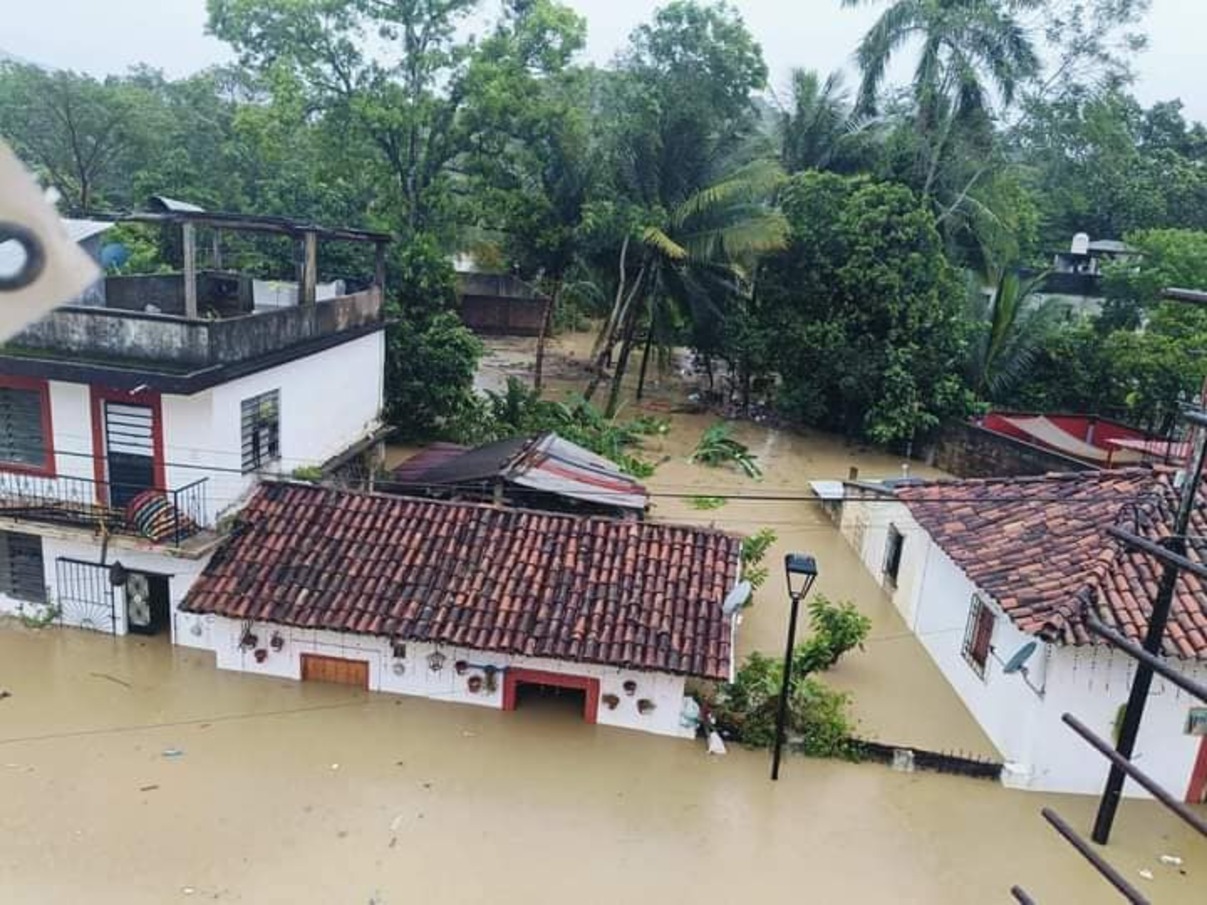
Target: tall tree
[817,129]
[404,96]
[76,131]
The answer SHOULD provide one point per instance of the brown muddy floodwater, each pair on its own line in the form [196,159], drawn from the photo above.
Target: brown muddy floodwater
[278,791]
[132,772]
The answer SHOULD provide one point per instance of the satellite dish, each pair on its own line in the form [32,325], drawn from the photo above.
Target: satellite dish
[736,598]
[115,254]
[1020,658]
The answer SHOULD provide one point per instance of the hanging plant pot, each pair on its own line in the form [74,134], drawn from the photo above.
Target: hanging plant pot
[248,641]
[492,678]
[461,666]
[261,654]
[630,688]
[277,641]
[474,684]
[399,667]
[610,701]
[435,661]
[645,705]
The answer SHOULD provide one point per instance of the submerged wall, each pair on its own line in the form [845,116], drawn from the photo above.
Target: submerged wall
[413,674]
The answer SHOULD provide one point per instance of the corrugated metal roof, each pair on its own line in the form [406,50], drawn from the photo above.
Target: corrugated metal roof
[545,463]
[164,203]
[554,465]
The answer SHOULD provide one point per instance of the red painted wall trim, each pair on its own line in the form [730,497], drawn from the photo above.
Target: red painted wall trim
[1196,792]
[513,677]
[100,395]
[42,387]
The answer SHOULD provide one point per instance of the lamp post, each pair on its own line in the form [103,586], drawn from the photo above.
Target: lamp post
[801,572]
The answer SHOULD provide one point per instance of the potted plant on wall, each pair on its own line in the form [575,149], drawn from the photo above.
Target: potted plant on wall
[645,706]
[630,688]
[610,701]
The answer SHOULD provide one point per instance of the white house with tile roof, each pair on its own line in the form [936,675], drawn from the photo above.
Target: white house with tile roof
[984,571]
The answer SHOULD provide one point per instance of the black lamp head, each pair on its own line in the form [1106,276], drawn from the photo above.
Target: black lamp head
[801,571]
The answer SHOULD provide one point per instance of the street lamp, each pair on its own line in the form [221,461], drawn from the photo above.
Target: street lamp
[801,571]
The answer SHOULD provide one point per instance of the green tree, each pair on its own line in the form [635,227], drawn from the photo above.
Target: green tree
[967,48]
[817,129]
[1009,328]
[404,96]
[862,313]
[75,131]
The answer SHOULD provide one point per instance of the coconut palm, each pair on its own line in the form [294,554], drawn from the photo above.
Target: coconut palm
[681,265]
[817,129]
[1011,326]
[966,46]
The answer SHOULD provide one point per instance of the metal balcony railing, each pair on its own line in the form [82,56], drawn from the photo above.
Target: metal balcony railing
[167,517]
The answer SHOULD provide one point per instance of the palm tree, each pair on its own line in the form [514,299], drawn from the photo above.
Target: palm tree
[1011,329]
[818,129]
[965,46]
[684,264]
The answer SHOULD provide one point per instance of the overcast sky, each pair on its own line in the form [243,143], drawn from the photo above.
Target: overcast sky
[104,36]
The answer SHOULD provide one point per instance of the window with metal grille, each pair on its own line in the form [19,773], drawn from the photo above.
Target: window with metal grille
[977,635]
[21,571]
[892,553]
[261,430]
[22,436]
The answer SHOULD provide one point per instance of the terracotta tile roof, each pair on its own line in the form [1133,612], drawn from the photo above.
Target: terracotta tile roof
[1036,543]
[620,593]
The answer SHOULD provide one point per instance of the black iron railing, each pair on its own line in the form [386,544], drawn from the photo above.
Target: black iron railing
[162,516]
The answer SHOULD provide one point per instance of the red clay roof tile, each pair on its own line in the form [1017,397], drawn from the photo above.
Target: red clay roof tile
[566,587]
[1035,544]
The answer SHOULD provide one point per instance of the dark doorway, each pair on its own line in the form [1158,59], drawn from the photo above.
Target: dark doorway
[148,603]
[538,689]
[551,699]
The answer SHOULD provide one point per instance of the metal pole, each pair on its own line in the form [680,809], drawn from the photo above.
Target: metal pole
[1138,698]
[785,690]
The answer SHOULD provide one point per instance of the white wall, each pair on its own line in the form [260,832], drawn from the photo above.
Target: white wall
[183,572]
[666,691]
[865,524]
[1089,682]
[329,401]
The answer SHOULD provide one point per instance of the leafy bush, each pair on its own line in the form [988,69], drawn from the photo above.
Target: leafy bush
[707,503]
[717,447]
[819,720]
[837,628]
[754,551]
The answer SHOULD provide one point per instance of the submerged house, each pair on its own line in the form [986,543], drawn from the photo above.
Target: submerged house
[136,417]
[469,602]
[543,471]
[990,575]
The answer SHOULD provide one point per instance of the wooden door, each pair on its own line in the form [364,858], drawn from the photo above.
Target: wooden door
[317,668]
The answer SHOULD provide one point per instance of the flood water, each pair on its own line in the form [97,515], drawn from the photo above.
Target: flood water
[899,696]
[132,772]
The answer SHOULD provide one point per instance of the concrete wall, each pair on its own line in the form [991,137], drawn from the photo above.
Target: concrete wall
[133,336]
[935,598]
[412,674]
[968,451]
[223,293]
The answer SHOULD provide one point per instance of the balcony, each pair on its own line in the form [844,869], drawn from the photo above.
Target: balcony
[169,518]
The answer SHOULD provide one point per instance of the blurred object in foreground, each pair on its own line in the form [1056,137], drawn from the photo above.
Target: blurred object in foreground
[40,266]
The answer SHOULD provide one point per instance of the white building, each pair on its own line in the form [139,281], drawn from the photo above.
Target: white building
[135,419]
[468,602]
[984,571]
